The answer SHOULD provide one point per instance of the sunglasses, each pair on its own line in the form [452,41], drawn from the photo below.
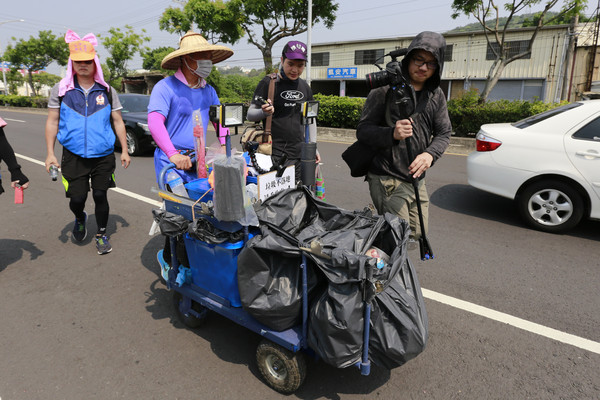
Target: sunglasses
[87,62]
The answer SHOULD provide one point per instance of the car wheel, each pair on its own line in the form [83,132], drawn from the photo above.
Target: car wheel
[551,206]
[133,144]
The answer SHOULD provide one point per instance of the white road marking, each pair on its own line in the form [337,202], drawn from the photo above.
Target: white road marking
[525,325]
[494,315]
[14,120]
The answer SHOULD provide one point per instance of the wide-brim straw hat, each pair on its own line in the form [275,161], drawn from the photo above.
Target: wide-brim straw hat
[193,42]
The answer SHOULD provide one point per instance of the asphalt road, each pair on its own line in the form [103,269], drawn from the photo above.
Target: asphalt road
[513,313]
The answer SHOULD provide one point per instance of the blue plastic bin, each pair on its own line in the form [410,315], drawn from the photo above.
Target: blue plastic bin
[197,188]
[214,267]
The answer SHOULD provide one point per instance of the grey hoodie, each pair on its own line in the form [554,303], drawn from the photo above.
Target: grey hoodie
[431,127]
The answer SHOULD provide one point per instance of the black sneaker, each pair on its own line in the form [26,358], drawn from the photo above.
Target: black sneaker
[103,245]
[79,230]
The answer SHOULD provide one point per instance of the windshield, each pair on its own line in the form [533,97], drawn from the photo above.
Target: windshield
[534,119]
[135,103]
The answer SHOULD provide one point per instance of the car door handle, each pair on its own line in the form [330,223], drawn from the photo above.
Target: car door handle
[592,154]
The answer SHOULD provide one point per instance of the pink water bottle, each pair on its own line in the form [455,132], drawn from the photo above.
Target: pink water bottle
[18,195]
[199,144]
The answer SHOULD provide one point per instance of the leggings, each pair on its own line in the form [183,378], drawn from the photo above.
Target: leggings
[77,205]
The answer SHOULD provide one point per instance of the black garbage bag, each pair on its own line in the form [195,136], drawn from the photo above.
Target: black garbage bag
[336,319]
[204,230]
[270,280]
[398,321]
[171,225]
[398,325]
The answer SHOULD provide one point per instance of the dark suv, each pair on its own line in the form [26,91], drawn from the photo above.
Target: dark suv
[135,117]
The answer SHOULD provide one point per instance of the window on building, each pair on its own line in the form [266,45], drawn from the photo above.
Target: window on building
[448,52]
[513,47]
[362,57]
[319,59]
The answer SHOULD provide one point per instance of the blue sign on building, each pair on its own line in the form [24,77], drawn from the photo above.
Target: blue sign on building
[341,73]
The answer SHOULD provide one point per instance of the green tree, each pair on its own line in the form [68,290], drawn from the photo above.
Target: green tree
[267,22]
[264,22]
[487,13]
[35,54]
[122,46]
[14,79]
[45,79]
[152,59]
[214,19]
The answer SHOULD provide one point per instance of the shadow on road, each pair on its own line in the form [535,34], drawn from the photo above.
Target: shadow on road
[92,228]
[467,200]
[12,250]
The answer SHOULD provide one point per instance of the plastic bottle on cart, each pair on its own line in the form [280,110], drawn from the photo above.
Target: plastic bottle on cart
[176,184]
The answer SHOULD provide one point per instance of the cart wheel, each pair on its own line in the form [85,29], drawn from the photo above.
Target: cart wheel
[283,370]
[189,320]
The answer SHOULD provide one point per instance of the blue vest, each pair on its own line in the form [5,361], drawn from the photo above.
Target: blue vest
[84,127]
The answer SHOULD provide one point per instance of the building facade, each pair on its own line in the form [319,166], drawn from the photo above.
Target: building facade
[552,72]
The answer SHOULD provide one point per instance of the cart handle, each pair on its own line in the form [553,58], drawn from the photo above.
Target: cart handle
[163,172]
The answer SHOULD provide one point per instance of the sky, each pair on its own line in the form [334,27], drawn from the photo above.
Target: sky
[356,20]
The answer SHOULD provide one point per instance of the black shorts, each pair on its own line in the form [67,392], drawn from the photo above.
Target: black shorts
[77,172]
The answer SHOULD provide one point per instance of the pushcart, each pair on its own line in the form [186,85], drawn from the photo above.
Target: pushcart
[210,284]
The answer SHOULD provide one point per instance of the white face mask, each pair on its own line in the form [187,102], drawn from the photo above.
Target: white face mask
[203,69]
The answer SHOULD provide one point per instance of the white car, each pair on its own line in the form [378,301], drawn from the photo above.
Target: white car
[548,163]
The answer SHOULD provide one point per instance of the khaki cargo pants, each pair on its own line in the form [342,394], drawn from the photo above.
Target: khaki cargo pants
[397,197]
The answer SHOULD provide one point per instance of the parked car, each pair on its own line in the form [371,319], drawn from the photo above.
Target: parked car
[548,163]
[135,117]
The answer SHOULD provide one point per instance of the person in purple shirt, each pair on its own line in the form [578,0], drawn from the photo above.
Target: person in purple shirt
[175,98]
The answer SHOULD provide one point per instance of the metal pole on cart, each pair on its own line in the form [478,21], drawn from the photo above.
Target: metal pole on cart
[368,292]
[308,155]
[424,246]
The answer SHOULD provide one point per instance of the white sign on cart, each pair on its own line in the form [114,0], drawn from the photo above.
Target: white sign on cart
[269,183]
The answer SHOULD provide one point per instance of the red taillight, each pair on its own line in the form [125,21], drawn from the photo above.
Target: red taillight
[486,143]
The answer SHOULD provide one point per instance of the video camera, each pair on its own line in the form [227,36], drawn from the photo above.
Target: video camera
[392,75]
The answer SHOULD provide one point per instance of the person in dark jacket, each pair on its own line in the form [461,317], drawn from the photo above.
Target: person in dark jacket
[81,109]
[423,119]
[8,156]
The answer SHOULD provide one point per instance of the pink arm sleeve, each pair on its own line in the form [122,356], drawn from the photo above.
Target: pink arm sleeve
[222,133]
[156,124]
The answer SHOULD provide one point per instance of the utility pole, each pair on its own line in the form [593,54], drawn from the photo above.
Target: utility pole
[566,82]
[591,67]
[309,42]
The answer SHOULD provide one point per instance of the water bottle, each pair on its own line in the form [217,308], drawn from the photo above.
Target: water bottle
[54,172]
[176,184]
[18,194]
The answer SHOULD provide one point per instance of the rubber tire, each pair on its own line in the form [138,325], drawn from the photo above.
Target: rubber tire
[527,205]
[133,144]
[190,321]
[283,370]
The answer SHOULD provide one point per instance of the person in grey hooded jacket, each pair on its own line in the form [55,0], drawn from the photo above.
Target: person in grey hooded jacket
[386,123]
